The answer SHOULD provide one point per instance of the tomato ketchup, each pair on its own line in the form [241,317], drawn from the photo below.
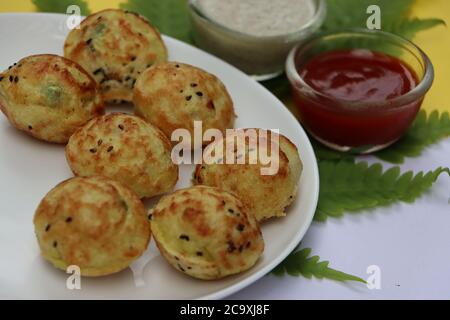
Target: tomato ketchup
[353,105]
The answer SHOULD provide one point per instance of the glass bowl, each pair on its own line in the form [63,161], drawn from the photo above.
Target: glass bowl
[262,57]
[358,126]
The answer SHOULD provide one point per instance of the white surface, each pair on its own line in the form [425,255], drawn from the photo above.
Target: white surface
[29,169]
[410,244]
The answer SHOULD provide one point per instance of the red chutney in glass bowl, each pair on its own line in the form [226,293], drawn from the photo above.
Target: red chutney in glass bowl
[357,99]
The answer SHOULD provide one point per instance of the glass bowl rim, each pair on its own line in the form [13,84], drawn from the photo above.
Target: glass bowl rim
[316,20]
[395,103]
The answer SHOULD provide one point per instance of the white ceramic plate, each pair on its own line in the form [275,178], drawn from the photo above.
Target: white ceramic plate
[30,168]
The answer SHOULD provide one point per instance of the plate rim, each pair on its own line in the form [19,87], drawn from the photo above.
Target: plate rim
[299,235]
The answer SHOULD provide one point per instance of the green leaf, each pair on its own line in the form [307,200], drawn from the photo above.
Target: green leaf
[410,27]
[60,6]
[345,14]
[171,17]
[349,187]
[426,130]
[299,263]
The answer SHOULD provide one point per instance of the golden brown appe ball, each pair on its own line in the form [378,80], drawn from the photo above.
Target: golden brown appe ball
[266,196]
[115,46]
[127,149]
[206,233]
[94,223]
[173,95]
[49,97]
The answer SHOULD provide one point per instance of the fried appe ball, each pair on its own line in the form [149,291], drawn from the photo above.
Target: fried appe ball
[94,223]
[127,149]
[173,95]
[49,97]
[115,46]
[206,233]
[266,196]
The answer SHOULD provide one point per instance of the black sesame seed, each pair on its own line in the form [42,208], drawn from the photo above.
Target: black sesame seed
[241,227]
[184,237]
[121,127]
[47,228]
[110,149]
[10,67]
[93,150]
[1,78]
[150,216]
[99,142]
[69,220]
[149,65]
[248,244]
[133,58]
[133,83]
[199,254]
[89,41]
[16,79]
[177,66]
[55,244]
[200,94]
[230,210]
[193,85]
[30,128]
[181,268]
[231,247]
[11,78]
[188,98]
[99,70]
[189,268]
[223,202]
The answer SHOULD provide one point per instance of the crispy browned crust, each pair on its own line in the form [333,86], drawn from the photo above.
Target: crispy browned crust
[172,95]
[206,233]
[49,97]
[127,149]
[115,46]
[94,223]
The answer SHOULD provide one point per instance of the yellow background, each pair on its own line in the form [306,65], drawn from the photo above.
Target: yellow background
[436,42]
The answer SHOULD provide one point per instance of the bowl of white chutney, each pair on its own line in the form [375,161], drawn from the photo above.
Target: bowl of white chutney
[255,35]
